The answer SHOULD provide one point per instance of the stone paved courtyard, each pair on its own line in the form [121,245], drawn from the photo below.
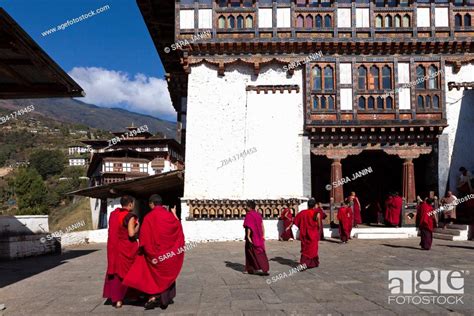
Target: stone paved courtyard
[352,280]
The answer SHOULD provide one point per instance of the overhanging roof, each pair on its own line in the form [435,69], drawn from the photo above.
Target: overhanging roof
[138,188]
[26,71]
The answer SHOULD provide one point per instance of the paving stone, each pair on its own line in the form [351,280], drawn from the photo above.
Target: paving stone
[352,280]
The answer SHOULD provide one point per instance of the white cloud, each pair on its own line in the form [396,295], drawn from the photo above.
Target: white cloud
[109,88]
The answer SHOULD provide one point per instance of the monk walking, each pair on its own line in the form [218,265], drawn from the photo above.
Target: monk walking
[161,256]
[308,222]
[356,208]
[255,255]
[122,248]
[393,209]
[425,221]
[287,217]
[345,218]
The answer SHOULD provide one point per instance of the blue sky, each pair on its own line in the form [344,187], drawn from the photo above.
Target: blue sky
[111,54]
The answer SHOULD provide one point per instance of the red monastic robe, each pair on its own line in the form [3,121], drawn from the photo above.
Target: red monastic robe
[287,218]
[345,218]
[255,254]
[393,209]
[162,244]
[121,253]
[426,222]
[309,236]
[357,215]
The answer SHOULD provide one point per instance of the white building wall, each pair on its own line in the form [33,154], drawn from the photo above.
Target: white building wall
[224,119]
[460,115]
[95,212]
[112,204]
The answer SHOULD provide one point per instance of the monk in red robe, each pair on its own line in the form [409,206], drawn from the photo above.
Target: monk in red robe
[393,209]
[308,223]
[322,216]
[425,221]
[287,217]
[161,255]
[345,218]
[122,248]
[255,254]
[356,208]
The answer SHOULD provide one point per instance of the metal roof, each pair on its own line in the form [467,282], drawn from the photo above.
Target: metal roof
[139,188]
[26,71]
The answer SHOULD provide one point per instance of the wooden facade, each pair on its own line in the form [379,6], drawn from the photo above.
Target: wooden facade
[133,156]
[380,43]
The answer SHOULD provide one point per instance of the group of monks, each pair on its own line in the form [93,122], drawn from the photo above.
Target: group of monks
[133,249]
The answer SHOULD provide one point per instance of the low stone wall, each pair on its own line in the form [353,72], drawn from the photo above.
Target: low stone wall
[15,247]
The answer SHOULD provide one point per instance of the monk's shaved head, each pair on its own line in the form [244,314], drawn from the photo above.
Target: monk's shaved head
[251,205]
[311,203]
[155,199]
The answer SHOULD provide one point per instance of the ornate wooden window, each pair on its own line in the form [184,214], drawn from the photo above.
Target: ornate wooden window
[467,19]
[433,77]
[371,103]
[386,77]
[398,20]
[406,20]
[309,21]
[327,21]
[378,21]
[371,79]
[317,78]
[323,94]
[231,21]
[420,77]
[362,103]
[221,22]
[392,20]
[313,20]
[374,78]
[428,90]
[300,21]
[362,80]
[328,78]
[234,21]
[458,20]
[249,21]
[240,22]
[319,21]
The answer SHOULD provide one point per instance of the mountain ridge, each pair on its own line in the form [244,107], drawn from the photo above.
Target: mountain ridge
[70,110]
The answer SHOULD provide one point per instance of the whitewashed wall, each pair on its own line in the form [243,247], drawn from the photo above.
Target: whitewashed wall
[112,204]
[224,119]
[23,224]
[95,212]
[460,115]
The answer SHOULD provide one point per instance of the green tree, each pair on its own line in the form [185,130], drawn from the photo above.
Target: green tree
[48,162]
[30,191]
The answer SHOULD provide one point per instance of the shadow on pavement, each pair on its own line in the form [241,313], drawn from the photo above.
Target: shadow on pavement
[454,246]
[285,261]
[235,266]
[399,246]
[13,271]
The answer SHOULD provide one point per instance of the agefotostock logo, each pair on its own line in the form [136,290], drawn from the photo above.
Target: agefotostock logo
[426,286]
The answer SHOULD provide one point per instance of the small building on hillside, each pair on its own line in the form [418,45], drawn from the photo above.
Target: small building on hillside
[129,155]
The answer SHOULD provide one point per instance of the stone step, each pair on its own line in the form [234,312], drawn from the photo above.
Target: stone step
[447,231]
[458,226]
[443,236]
[381,235]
